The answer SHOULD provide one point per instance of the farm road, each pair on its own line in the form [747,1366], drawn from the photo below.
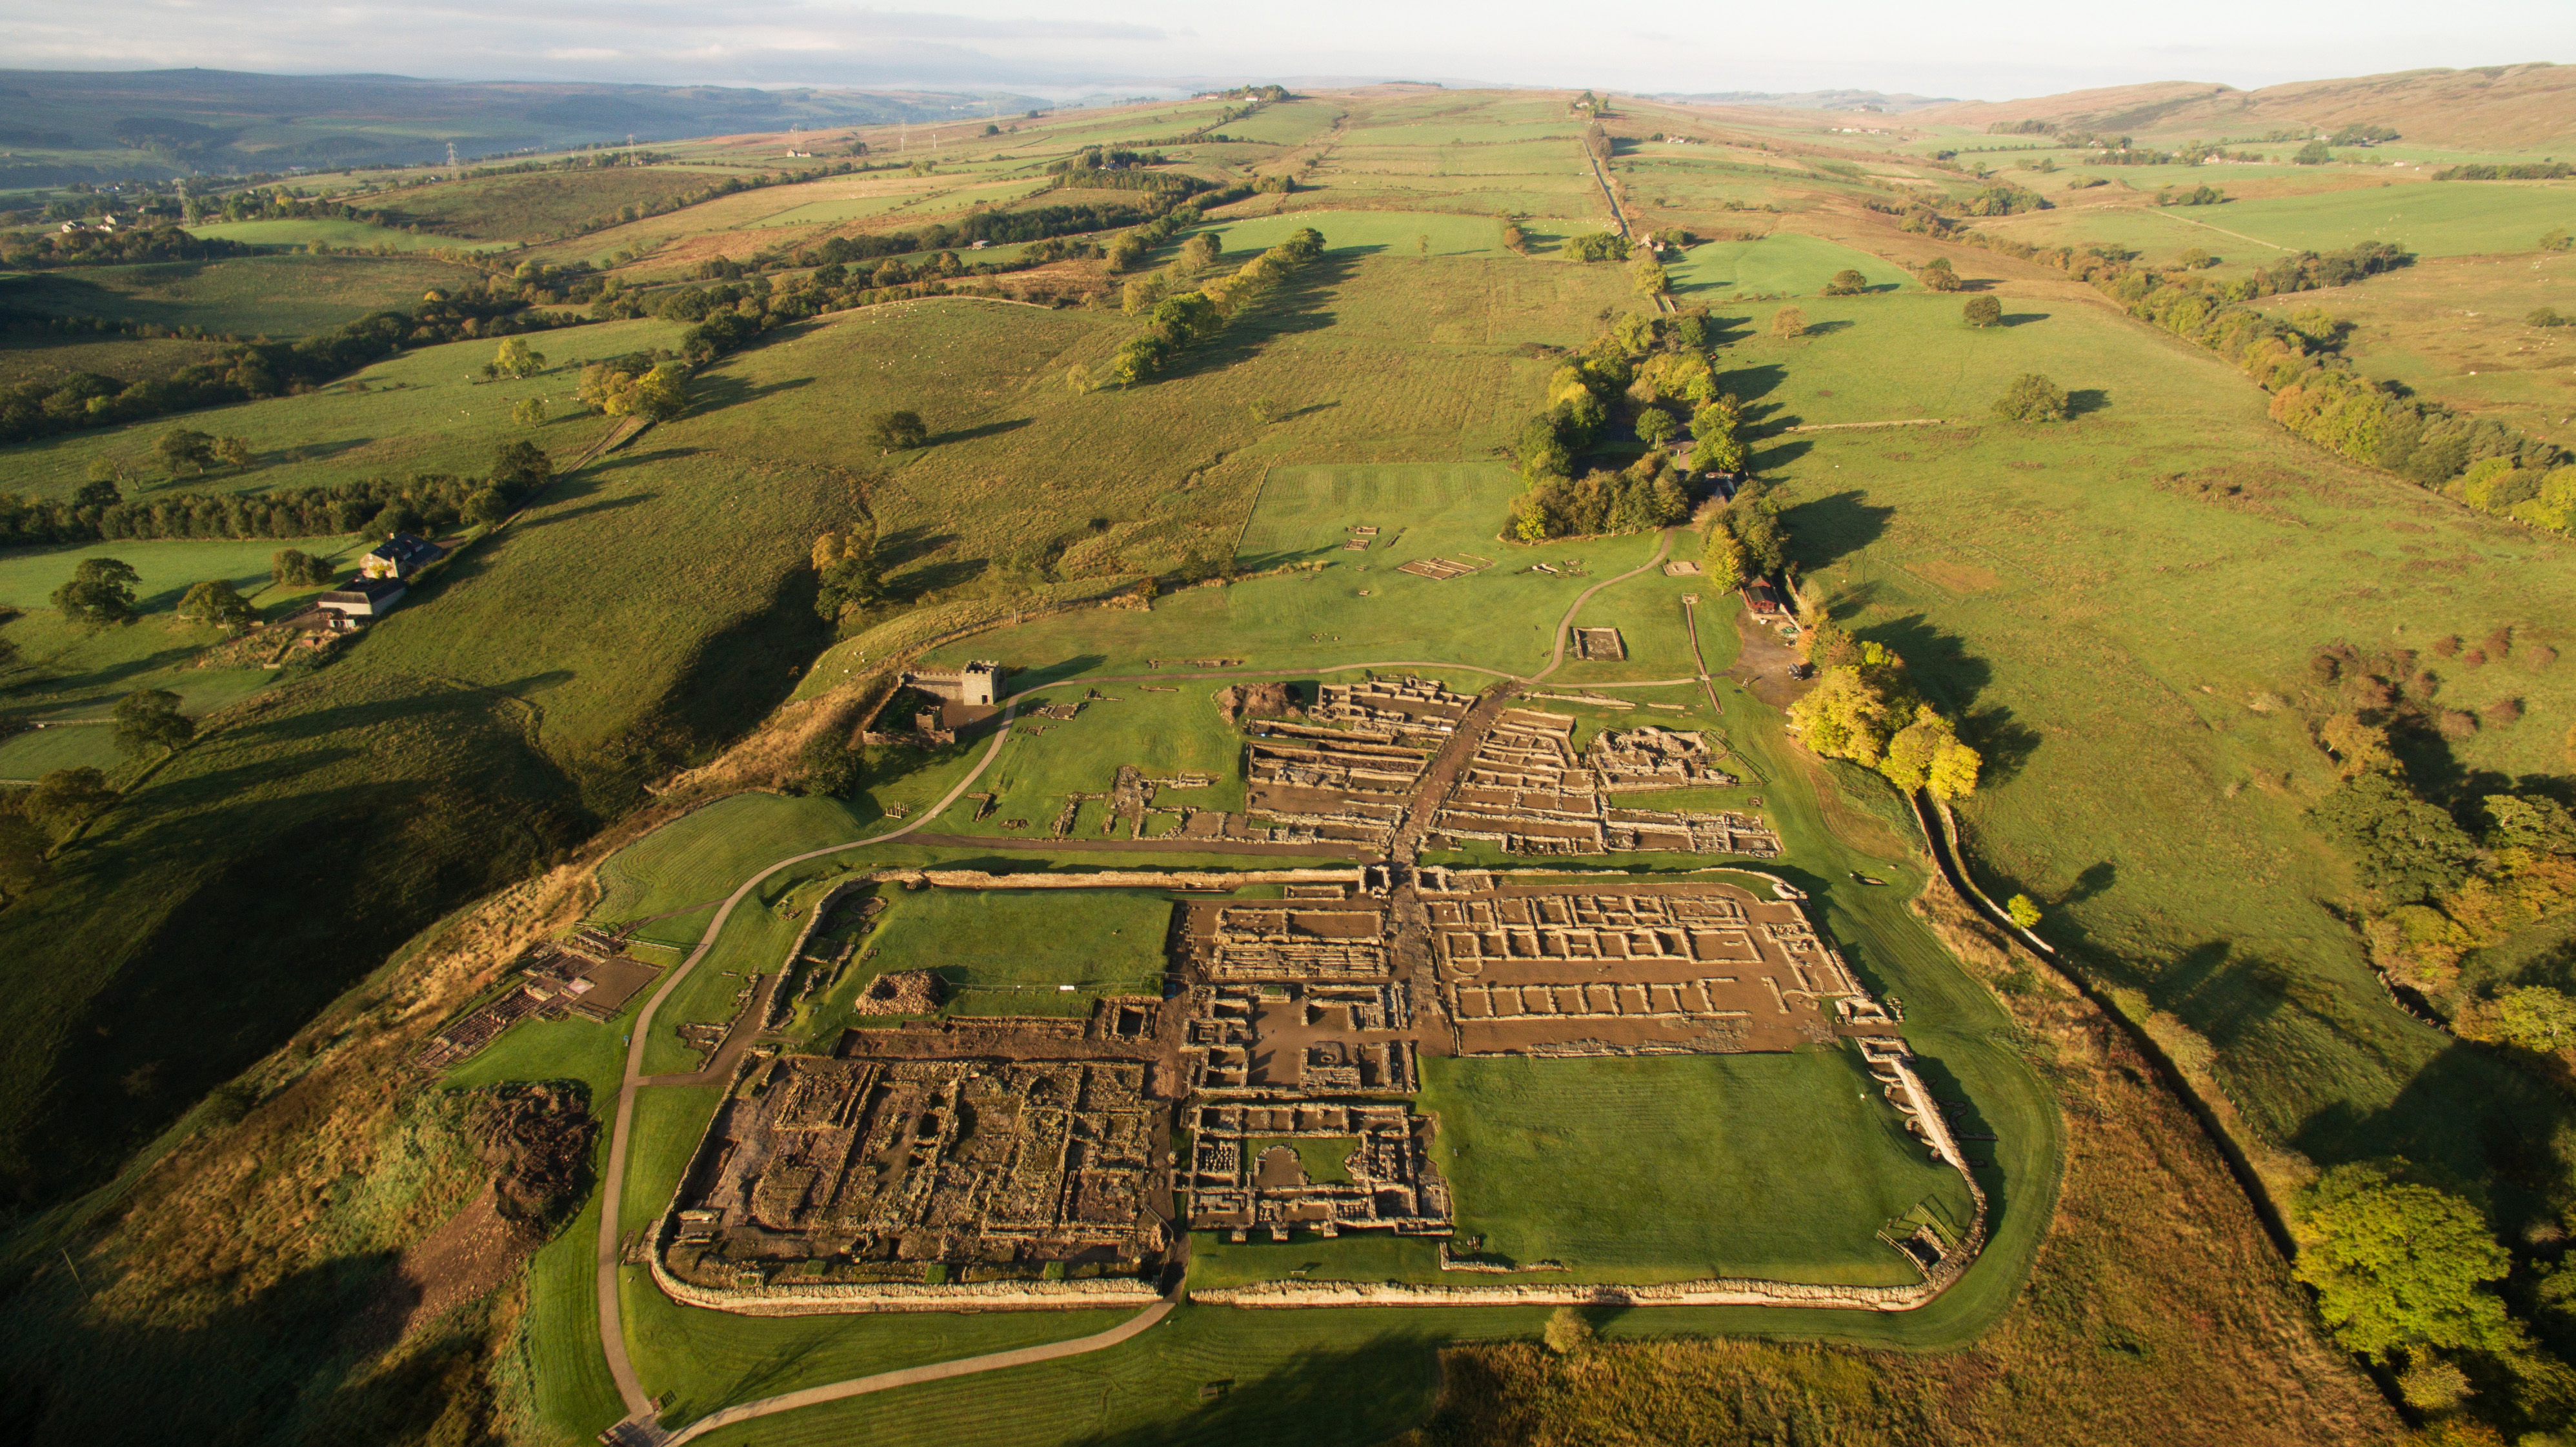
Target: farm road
[640,1428]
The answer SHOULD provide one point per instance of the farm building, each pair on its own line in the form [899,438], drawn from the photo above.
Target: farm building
[365,597]
[400,556]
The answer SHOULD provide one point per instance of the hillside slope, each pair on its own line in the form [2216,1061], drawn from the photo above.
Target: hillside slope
[2502,107]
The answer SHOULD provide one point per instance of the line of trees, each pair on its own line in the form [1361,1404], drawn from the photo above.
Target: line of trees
[35,250]
[1191,318]
[374,506]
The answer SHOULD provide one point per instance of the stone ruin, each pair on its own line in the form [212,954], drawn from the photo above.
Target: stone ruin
[1526,792]
[1411,710]
[1683,968]
[1246,1174]
[866,1170]
[1310,784]
[905,992]
[1599,645]
[587,973]
[1319,1039]
[1325,941]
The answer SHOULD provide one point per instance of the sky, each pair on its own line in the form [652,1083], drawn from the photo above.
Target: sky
[1990,51]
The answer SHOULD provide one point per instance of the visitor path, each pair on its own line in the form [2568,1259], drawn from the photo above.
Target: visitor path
[641,1427]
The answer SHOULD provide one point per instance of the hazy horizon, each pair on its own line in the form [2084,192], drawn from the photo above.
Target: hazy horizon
[1994,52]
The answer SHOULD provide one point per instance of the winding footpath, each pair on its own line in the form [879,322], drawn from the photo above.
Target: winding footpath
[640,1427]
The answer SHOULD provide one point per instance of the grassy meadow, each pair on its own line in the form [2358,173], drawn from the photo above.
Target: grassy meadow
[2145,583]
[427,410]
[279,297]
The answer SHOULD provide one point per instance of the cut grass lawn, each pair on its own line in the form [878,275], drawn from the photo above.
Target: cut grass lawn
[1780,1167]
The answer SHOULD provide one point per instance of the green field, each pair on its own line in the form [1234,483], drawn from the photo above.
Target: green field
[1163,734]
[420,411]
[2431,219]
[2040,583]
[1775,1166]
[278,297]
[1783,265]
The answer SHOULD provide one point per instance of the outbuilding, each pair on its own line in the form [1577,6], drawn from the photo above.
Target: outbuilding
[364,597]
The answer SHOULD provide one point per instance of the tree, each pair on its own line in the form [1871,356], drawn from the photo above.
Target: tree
[1188,318]
[295,568]
[1847,282]
[220,603]
[1982,311]
[1789,324]
[2405,848]
[1567,1333]
[1655,426]
[397,516]
[661,394]
[521,468]
[1138,359]
[2314,153]
[2400,1264]
[98,492]
[516,360]
[235,452]
[486,507]
[529,412]
[150,718]
[2032,398]
[849,572]
[897,431]
[184,449]
[2023,911]
[1937,275]
[2537,1017]
[100,593]
[1649,278]
[1721,558]
[64,799]
[1953,774]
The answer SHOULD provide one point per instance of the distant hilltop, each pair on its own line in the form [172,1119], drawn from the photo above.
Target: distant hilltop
[1814,100]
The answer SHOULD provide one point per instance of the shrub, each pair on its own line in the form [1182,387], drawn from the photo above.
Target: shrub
[1982,311]
[2032,398]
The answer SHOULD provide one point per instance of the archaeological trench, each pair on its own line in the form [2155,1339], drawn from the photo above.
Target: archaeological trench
[951,1162]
